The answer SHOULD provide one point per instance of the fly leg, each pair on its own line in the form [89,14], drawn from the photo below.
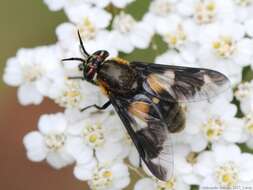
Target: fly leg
[140,162]
[81,78]
[103,107]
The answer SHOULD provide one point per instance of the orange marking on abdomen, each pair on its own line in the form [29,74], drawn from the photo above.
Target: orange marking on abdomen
[139,109]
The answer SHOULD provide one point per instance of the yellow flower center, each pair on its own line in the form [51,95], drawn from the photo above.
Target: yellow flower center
[244,3]
[55,141]
[224,47]
[93,134]
[227,174]
[177,38]
[87,30]
[243,90]
[124,23]
[107,174]
[102,179]
[205,12]
[160,7]
[32,72]
[213,128]
[71,95]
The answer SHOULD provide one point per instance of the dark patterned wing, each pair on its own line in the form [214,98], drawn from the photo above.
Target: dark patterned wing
[148,130]
[181,84]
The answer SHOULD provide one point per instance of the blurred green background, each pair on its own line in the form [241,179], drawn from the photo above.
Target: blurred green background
[25,24]
[28,24]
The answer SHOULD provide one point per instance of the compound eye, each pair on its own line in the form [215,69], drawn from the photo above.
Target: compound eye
[81,67]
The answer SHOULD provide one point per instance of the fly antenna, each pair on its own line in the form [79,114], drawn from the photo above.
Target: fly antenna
[74,59]
[81,43]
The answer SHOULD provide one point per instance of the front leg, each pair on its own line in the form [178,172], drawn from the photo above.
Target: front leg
[78,78]
[103,107]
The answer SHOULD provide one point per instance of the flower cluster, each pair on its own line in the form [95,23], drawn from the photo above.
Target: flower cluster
[213,152]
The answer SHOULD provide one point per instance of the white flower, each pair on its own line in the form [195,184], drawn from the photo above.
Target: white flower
[185,58]
[128,33]
[77,94]
[244,94]
[30,70]
[185,161]
[158,11]
[110,176]
[101,132]
[224,48]
[56,5]
[248,130]
[207,11]
[68,40]
[154,184]
[244,9]
[225,167]
[211,122]
[176,32]
[91,23]
[88,18]
[120,3]
[50,142]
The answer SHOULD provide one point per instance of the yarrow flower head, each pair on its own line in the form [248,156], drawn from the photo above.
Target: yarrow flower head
[50,142]
[213,149]
[225,167]
[153,184]
[128,33]
[111,176]
[31,69]
[102,133]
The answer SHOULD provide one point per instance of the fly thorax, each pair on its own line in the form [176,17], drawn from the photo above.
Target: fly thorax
[120,78]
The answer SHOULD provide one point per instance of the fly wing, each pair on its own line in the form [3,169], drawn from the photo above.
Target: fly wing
[181,84]
[148,131]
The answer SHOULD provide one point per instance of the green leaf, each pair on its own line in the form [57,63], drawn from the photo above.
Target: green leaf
[194,187]
[247,74]
[245,148]
[138,8]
